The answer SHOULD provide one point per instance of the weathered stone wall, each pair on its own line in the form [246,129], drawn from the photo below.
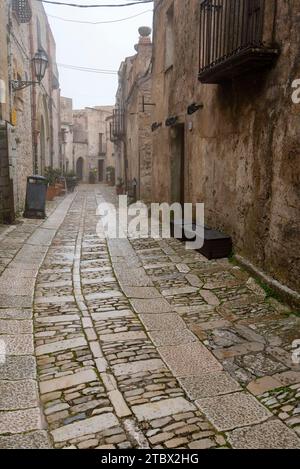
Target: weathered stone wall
[20,121]
[242,148]
[134,90]
[6,196]
[66,116]
[47,96]
[32,114]
[4,96]
[89,123]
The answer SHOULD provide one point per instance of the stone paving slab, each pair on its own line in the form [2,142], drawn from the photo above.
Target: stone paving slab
[14,313]
[152,306]
[18,394]
[126,313]
[162,322]
[68,381]
[156,410]
[233,410]
[20,421]
[189,359]
[13,301]
[209,385]
[85,427]
[58,319]
[33,440]
[141,292]
[42,237]
[174,337]
[18,344]
[60,346]
[18,367]
[268,435]
[54,300]
[22,286]
[14,327]
[261,385]
[138,367]
[123,337]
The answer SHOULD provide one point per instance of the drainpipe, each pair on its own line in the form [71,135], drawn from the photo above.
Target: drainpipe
[50,99]
[33,106]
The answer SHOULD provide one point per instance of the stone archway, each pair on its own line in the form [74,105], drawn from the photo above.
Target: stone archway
[79,168]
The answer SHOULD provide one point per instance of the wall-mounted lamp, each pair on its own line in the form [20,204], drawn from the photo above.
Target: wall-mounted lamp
[194,108]
[155,126]
[171,121]
[40,62]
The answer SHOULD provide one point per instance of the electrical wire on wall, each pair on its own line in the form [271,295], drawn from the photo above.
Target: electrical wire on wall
[78,5]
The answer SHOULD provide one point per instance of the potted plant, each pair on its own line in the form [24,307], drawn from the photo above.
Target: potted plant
[110,176]
[50,175]
[120,186]
[93,176]
[71,180]
[59,186]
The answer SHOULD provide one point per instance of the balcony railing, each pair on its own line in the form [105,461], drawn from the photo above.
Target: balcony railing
[117,126]
[234,38]
[22,10]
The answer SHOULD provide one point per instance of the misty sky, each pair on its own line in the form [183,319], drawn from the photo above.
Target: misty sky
[101,46]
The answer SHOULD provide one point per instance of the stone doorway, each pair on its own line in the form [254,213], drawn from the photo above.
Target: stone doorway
[178,164]
[100,170]
[79,168]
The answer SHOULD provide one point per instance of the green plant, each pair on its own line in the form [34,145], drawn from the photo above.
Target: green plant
[71,174]
[52,175]
[111,175]
[270,293]
[120,182]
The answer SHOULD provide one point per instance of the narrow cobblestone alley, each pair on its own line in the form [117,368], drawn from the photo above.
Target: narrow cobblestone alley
[137,343]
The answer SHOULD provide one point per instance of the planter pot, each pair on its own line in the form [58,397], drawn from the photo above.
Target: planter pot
[51,193]
[120,190]
[71,183]
[58,190]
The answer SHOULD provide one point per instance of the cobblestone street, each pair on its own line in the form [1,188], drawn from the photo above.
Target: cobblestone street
[137,343]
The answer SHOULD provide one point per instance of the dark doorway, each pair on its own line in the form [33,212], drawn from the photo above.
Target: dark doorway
[79,169]
[178,163]
[101,170]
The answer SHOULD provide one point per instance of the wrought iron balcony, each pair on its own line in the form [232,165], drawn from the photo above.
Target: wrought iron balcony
[235,38]
[22,10]
[117,126]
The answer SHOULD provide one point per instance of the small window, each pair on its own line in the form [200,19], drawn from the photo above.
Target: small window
[100,144]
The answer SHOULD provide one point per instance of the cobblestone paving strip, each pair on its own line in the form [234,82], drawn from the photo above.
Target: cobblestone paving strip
[21,420]
[141,343]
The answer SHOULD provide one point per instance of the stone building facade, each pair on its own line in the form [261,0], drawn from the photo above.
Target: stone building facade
[31,116]
[66,121]
[6,183]
[227,131]
[86,146]
[131,128]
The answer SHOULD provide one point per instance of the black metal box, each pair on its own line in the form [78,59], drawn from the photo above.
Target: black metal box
[35,206]
[216,245]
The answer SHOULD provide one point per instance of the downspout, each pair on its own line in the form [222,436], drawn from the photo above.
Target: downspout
[33,105]
[51,98]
